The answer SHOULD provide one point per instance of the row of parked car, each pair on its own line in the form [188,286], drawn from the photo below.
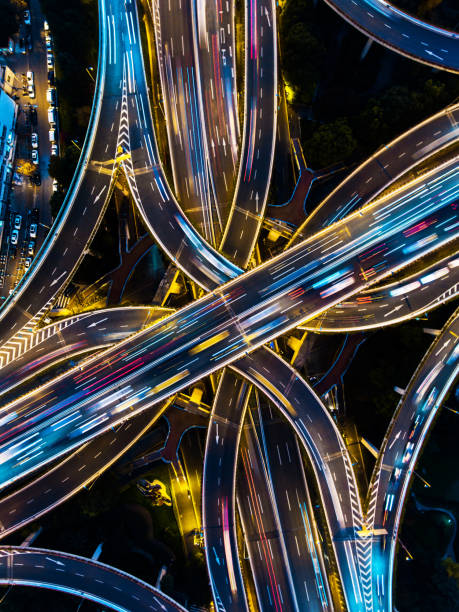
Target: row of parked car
[30,237]
[50,98]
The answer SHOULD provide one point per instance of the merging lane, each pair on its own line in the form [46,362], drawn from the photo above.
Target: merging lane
[219,328]
[82,577]
[384,167]
[394,469]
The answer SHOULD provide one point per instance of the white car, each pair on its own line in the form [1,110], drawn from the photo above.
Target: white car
[34,140]
[48,41]
[45,26]
[33,230]
[35,156]
[14,236]
[27,17]
[55,185]
[29,77]
[52,117]
[50,95]
[30,248]
[52,135]
[17,222]
[31,90]
[27,263]
[50,60]
[54,150]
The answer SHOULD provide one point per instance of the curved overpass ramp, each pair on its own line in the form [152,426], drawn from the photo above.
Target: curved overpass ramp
[401,32]
[383,168]
[206,335]
[402,445]
[393,303]
[87,196]
[82,577]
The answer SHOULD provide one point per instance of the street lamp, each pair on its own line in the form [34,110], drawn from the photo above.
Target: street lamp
[89,70]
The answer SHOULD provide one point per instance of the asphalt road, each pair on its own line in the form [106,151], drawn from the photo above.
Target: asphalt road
[401,32]
[59,483]
[182,99]
[385,166]
[262,535]
[230,321]
[218,494]
[77,334]
[216,51]
[155,201]
[87,196]
[296,519]
[407,433]
[81,577]
[259,133]
[393,302]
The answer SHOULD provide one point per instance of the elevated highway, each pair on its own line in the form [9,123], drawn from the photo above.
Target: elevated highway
[383,168]
[393,302]
[239,317]
[402,445]
[87,195]
[401,32]
[82,577]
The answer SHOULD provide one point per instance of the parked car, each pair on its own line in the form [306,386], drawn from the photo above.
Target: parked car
[17,222]
[27,263]
[35,156]
[50,60]
[45,26]
[30,248]
[30,80]
[54,150]
[34,215]
[31,91]
[52,116]
[14,237]
[34,138]
[33,230]
[51,95]
[51,77]
[27,17]
[55,185]
[52,135]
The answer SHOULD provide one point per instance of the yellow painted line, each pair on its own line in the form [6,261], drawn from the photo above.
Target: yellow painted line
[209,342]
[282,399]
[169,382]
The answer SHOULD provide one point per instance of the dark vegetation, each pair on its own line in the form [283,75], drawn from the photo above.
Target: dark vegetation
[350,106]
[11,13]
[430,582]
[74,26]
[444,13]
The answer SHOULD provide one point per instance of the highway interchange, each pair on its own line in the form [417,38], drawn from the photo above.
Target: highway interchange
[336,259]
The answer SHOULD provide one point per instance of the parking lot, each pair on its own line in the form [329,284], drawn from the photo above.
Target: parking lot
[37,140]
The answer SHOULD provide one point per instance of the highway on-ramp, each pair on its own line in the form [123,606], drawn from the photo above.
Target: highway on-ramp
[222,326]
[402,444]
[88,193]
[401,32]
[81,577]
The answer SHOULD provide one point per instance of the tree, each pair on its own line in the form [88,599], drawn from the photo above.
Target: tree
[330,143]
[62,168]
[25,167]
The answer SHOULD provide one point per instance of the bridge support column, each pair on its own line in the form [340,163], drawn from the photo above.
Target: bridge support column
[366,49]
